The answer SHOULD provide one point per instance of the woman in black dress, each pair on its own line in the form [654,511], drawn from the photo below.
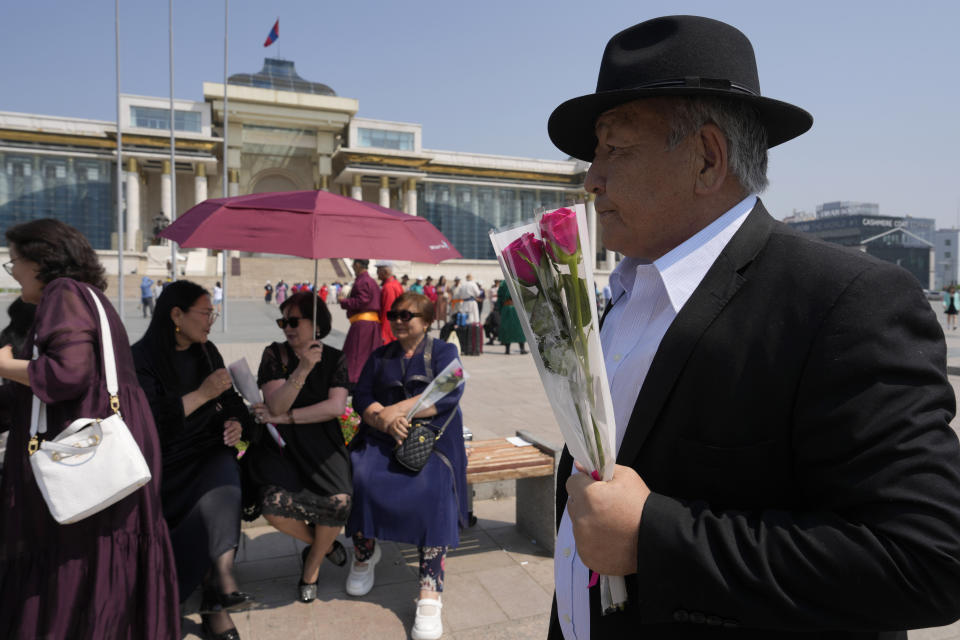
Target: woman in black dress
[199,418]
[303,486]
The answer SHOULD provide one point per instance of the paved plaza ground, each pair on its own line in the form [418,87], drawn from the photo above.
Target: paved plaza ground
[499,583]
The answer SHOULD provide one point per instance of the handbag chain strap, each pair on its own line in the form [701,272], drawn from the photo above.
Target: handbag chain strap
[428,368]
[38,413]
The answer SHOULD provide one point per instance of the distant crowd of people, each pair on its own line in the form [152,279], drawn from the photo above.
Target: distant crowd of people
[457,303]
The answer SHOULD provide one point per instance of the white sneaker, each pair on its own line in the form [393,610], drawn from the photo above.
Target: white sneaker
[427,626]
[360,579]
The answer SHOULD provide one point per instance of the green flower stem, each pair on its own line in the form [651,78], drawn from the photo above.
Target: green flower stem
[584,355]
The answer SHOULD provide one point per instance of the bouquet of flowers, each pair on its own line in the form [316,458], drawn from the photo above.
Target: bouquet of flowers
[553,290]
[349,423]
[446,381]
[244,381]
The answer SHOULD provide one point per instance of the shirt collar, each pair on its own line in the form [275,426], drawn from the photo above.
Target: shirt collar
[684,267]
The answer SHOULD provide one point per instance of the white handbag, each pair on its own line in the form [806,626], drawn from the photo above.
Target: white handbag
[94,462]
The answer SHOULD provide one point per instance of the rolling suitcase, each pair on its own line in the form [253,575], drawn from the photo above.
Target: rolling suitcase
[476,338]
[471,339]
[473,344]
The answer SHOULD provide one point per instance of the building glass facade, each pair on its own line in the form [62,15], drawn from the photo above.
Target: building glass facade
[385,139]
[153,118]
[76,190]
[903,241]
[847,208]
[947,258]
[465,214]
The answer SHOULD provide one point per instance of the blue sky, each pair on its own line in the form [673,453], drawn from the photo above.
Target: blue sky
[880,78]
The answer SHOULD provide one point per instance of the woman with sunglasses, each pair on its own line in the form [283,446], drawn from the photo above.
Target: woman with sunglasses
[112,574]
[425,508]
[302,478]
[199,418]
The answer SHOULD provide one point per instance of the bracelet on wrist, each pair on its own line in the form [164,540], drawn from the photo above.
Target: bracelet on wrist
[296,383]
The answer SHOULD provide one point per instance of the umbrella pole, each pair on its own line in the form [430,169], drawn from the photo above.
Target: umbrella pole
[224,260]
[316,294]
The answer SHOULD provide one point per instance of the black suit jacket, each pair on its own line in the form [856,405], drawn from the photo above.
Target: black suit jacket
[794,430]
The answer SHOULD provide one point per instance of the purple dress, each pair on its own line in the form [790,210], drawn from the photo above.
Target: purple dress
[364,335]
[389,501]
[112,574]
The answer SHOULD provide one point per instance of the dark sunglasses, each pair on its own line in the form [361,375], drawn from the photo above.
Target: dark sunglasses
[403,316]
[293,323]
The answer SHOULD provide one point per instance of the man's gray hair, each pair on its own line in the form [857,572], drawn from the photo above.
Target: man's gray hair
[746,137]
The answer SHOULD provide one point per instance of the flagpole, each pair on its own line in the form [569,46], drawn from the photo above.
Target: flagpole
[173,157]
[120,212]
[224,254]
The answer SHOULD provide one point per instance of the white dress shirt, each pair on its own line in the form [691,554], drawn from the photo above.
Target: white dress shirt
[646,299]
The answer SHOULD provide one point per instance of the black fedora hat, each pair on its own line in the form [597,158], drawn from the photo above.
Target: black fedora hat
[673,56]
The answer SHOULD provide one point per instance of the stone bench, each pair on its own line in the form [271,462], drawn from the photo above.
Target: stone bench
[534,470]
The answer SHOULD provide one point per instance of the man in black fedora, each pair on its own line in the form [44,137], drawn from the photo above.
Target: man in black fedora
[786,466]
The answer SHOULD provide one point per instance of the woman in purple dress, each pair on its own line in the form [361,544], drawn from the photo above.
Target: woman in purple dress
[363,311]
[111,575]
[425,508]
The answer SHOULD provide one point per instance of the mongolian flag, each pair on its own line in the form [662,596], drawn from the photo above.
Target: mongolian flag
[274,34]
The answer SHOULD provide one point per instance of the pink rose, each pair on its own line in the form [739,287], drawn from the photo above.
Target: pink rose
[560,235]
[522,255]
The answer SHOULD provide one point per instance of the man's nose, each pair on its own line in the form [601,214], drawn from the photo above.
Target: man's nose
[594,182]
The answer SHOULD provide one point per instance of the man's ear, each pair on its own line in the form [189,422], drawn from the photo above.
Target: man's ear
[712,159]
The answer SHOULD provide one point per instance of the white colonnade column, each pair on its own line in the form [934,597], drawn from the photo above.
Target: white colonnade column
[134,240]
[411,204]
[384,191]
[356,191]
[200,183]
[165,207]
[234,186]
[592,227]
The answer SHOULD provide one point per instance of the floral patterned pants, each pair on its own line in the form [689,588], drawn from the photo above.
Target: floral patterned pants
[432,560]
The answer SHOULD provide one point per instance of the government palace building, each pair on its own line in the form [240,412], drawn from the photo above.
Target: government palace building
[285,133]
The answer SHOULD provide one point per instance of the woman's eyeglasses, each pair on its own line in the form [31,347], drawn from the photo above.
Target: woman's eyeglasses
[293,323]
[210,313]
[402,316]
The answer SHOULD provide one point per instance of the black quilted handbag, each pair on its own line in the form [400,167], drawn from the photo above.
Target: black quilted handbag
[416,448]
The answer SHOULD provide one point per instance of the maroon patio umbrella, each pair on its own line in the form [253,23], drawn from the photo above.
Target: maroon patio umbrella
[310,224]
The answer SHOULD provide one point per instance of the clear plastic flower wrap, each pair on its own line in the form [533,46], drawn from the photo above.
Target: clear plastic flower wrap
[452,376]
[552,287]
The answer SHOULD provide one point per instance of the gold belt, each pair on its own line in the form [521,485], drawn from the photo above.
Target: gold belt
[372,316]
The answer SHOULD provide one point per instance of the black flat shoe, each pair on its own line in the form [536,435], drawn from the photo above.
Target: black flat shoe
[308,590]
[229,634]
[337,555]
[214,602]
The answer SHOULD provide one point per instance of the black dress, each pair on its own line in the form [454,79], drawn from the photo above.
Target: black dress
[200,489]
[301,480]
